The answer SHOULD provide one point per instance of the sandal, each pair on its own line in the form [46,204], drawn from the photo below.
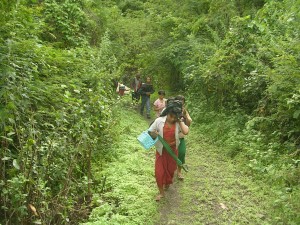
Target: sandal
[159,197]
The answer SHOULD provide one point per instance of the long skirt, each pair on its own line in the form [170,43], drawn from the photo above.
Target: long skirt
[165,165]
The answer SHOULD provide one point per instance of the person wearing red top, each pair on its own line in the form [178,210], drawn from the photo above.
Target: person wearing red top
[168,125]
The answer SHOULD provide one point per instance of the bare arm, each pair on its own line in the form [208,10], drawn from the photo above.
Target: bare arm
[188,119]
[184,128]
[153,130]
[153,134]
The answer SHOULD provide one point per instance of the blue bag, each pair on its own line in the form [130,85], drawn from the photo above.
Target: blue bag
[146,140]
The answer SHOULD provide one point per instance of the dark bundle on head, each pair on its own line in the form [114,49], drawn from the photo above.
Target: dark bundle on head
[180,98]
[170,99]
[173,107]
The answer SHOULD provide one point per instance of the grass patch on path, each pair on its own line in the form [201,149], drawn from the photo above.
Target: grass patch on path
[129,183]
[214,191]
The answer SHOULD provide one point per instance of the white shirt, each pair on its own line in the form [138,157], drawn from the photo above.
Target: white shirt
[158,125]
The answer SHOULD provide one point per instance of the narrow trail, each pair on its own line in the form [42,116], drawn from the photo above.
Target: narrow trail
[213,191]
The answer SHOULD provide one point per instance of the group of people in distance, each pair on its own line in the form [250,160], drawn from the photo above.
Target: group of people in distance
[172,124]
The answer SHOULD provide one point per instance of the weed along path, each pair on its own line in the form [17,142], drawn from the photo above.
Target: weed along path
[213,191]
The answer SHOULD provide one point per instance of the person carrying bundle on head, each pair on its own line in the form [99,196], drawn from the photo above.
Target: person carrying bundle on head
[168,126]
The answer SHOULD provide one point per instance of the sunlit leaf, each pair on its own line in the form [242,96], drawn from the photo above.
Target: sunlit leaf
[15,164]
[6,138]
[10,133]
[5,158]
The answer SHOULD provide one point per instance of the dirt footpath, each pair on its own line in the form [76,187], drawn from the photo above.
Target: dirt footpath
[214,191]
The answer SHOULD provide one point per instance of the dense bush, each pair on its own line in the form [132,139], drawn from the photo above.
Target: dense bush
[256,69]
[55,113]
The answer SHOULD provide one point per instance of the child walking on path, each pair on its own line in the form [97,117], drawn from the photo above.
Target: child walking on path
[168,125]
[160,103]
[182,147]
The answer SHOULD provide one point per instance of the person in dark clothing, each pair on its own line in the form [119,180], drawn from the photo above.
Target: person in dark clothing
[145,91]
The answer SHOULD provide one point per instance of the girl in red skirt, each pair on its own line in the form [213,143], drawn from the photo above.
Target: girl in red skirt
[168,125]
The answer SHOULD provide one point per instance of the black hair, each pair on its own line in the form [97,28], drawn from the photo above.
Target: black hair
[161,92]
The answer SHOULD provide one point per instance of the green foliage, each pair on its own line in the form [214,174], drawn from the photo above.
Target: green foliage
[125,192]
[49,138]
[255,69]
[259,153]
[65,23]
[130,5]
[55,113]
[238,60]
